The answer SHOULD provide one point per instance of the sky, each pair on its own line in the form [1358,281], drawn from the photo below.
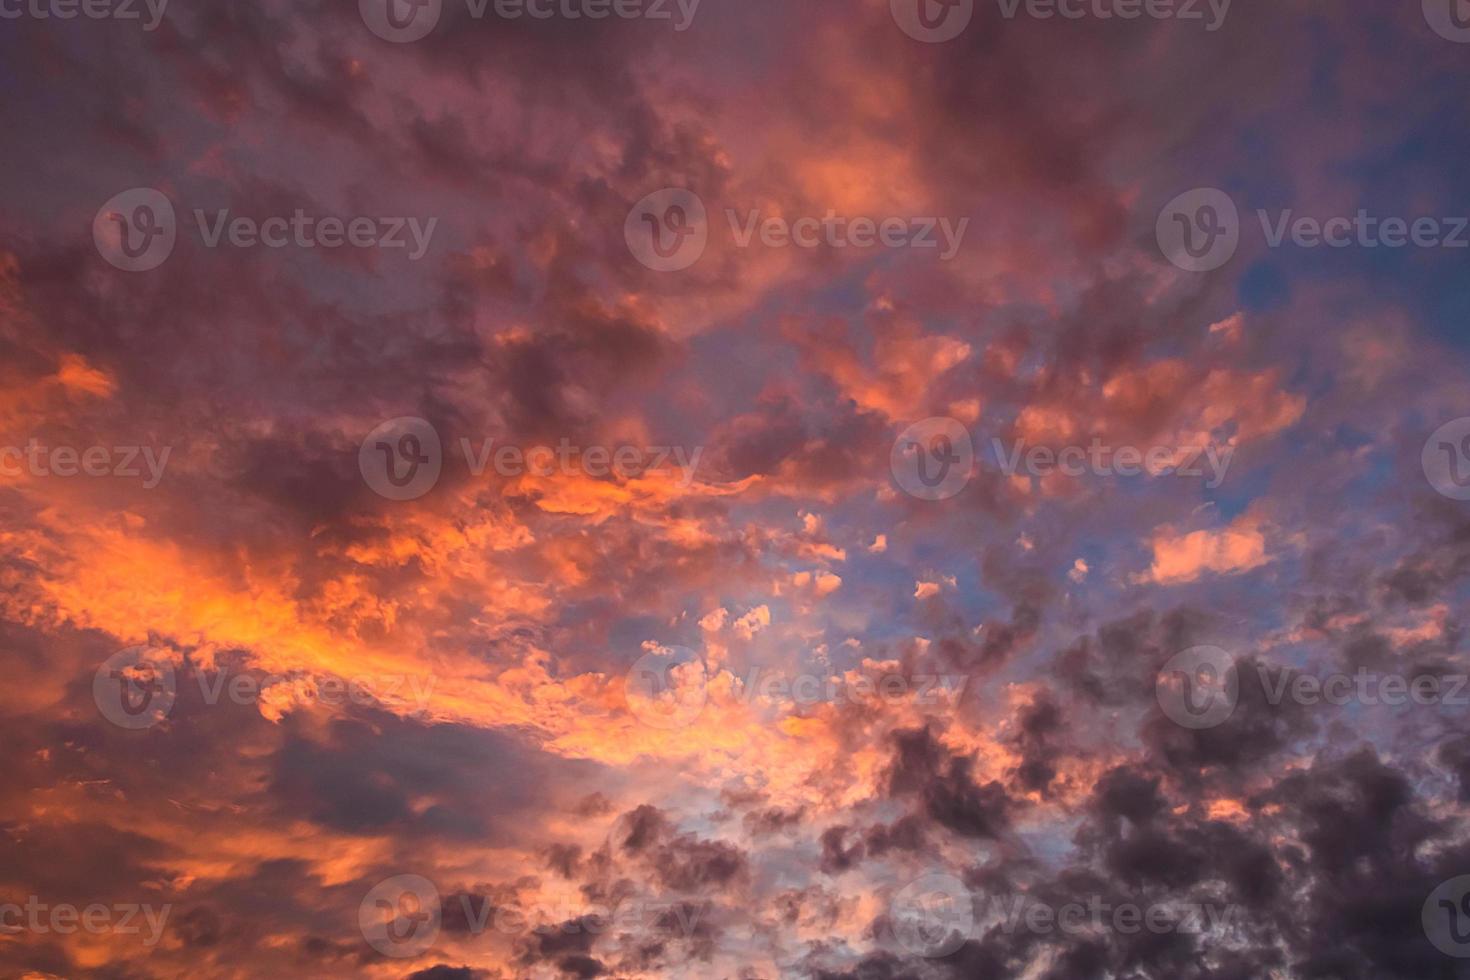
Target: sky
[736,489]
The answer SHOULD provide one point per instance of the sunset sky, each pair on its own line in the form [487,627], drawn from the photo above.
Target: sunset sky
[734,490]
